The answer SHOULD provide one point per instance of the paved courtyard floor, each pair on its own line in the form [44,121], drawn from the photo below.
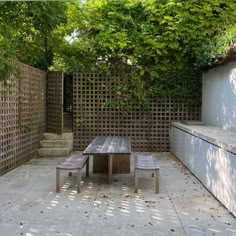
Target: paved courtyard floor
[29,205]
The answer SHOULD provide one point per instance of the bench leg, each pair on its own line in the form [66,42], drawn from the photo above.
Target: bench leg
[58,180]
[157,180]
[110,169]
[136,180]
[87,168]
[78,181]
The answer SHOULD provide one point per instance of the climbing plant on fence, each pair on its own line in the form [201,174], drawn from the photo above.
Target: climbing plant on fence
[147,128]
[161,38]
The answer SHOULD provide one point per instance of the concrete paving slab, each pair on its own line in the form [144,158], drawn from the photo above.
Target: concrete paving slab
[207,217]
[133,210]
[42,229]
[208,228]
[29,205]
[48,209]
[132,230]
[7,199]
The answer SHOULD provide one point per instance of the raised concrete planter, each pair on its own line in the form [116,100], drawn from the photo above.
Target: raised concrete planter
[210,154]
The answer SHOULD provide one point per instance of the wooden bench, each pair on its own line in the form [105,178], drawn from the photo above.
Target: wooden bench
[146,163]
[73,162]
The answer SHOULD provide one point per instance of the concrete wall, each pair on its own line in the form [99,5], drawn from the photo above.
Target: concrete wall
[219,97]
[213,166]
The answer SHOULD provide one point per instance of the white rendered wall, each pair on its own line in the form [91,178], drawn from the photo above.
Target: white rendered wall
[219,97]
[213,166]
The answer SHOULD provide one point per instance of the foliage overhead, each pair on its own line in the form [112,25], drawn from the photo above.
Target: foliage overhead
[164,39]
[168,41]
[27,33]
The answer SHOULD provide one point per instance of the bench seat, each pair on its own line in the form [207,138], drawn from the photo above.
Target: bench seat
[146,163]
[73,162]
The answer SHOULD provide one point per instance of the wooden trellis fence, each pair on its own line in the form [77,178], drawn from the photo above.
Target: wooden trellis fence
[55,83]
[22,116]
[149,131]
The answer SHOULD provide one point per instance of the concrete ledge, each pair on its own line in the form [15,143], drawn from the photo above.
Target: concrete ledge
[205,152]
[53,152]
[52,136]
[222,138]
[53,143]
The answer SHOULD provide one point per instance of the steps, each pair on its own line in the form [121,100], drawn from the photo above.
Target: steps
[54,145]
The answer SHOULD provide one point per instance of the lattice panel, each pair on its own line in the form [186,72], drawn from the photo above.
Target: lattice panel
[55,82]
[149,131]
[22,117]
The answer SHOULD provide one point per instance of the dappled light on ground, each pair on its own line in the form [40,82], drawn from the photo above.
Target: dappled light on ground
[183,207]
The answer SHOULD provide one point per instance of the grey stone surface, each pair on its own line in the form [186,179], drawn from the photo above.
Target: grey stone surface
[222,138]
[56,143]
[53,152]
[52,136]
[30,206]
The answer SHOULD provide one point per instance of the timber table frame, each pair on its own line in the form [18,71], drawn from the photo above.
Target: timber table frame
[111,146]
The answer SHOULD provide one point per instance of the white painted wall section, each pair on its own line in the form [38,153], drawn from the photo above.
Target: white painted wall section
[213,165]
[219,97]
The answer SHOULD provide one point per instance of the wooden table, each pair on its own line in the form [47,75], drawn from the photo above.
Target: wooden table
[111,146]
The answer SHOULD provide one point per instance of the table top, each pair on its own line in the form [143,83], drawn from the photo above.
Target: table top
[109,145]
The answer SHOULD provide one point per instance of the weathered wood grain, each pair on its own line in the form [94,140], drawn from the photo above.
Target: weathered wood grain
[109,145]
[112,147]
[120,164]
[73,162]
[95,146]
[146,163]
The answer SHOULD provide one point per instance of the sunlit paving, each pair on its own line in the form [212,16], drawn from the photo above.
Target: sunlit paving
[118,118]
[179,208]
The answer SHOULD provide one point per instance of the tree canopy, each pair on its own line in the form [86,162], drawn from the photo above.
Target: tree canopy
[169,42]
[27,32]
[151,34]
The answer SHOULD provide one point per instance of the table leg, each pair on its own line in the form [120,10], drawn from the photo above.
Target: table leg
[87,167]
[110,169]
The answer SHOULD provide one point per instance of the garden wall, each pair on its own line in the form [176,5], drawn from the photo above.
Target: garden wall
[22,116]
[210,154]
[208,150]
[219,97]
[147,128]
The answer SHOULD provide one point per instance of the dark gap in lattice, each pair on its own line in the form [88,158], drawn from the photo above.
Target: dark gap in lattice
[68,93]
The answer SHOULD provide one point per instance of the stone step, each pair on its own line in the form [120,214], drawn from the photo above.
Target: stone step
[53,143]
[53,152]
[52,136]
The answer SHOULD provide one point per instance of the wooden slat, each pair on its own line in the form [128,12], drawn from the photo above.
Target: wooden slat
[145,162]
[109,145]
[124,145]
[73,162]
[95,146]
